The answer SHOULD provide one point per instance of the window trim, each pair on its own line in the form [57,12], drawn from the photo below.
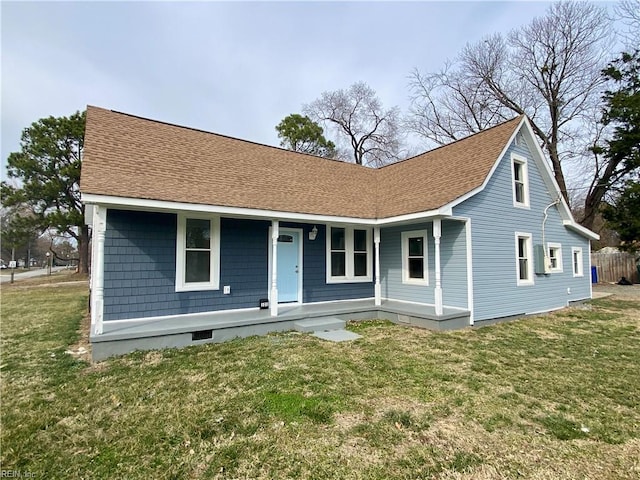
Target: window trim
[214,258]
[580,272]
[517,159]
[349,250]
[405,236]
[529,247]
[558,247]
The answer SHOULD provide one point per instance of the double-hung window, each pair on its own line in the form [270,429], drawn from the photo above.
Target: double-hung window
[414,257]
[520,181]
[576,259]
[349,256]
[524,257]
[555,256]
[197,253]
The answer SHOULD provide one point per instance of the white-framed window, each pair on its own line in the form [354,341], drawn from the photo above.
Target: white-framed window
[554,250]
[349,257]
[576,260]
[520,181]
[197,253]
[415,254]
[524,259]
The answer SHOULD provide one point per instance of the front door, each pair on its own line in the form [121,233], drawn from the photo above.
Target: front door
[289,266]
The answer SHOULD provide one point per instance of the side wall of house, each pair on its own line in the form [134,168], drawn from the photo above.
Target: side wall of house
[495,221]
[140,267]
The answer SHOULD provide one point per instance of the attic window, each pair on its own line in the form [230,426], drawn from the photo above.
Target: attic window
[520,181]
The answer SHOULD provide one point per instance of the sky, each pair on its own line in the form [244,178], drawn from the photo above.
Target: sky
[235,68]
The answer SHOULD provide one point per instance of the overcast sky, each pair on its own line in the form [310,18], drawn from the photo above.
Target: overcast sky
[235,68]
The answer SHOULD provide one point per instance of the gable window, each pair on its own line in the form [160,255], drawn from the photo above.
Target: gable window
[520,181]
[524,255]
[555,256]
[349,255]
[414,257]
[197,253]
[576,256]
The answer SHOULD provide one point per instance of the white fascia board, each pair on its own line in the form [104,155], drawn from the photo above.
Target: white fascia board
[576,227]
[166,206]
[546,172]
[128,203]
[475,191]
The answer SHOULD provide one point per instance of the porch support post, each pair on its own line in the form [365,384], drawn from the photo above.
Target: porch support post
[376,245]
[97,268]
[275,233]
[437,232]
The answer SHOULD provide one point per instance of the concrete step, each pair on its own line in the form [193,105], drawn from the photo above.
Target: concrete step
[320,324]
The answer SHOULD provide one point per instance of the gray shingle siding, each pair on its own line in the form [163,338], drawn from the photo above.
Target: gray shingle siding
[494,223]
[314,280]
[140,256]
[140,271]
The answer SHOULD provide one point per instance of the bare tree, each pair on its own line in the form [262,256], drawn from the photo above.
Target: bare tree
[629,12]
[358,117]
[549,69]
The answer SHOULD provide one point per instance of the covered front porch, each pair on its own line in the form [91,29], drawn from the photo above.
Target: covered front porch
[120,337]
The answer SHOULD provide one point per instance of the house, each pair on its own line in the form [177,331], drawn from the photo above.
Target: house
[199,237]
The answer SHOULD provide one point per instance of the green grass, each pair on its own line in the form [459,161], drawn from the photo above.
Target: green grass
[557,396]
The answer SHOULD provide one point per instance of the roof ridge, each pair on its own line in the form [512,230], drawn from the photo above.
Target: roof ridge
[199,130]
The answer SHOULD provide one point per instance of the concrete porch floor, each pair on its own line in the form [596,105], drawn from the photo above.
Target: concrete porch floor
[182,330]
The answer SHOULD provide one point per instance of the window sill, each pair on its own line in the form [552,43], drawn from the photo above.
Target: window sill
[525,206]
[525,283]
[197,287]
[419,283]
[350,280]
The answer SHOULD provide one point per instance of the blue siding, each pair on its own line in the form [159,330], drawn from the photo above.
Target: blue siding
[453,264]
[140,256]
[314,280]
[391,266]
[494,223]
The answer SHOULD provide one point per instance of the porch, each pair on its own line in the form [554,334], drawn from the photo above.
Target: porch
[120,337]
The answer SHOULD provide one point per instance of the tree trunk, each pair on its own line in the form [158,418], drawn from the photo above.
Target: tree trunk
[83,250]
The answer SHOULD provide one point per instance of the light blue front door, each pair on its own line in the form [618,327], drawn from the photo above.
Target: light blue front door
[288,267]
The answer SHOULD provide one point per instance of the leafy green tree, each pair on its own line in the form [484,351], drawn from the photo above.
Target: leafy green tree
[623,216]
[301,134]
[48,169]
[618,159]
[17,230]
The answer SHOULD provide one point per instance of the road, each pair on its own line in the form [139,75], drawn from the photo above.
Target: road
[22,274]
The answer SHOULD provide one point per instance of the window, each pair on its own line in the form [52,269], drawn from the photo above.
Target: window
[414,257]
[520,181]
[576,255]
[349,256]
[197,253]
[555,256]
[524,255]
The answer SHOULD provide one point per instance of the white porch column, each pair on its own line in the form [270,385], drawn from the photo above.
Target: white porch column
[97,268]
[275,233]
[437,232]
[376,244]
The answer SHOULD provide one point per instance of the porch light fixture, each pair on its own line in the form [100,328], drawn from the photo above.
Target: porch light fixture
[313,233]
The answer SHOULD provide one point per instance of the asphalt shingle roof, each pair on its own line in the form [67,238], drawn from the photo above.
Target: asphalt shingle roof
[133,157]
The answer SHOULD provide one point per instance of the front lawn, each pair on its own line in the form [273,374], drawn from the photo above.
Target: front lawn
[552,397]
